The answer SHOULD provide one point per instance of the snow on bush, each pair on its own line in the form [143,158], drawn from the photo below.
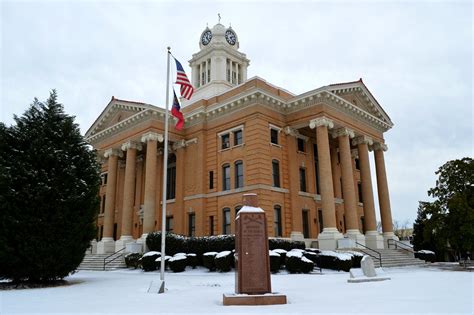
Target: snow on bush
[151,253]
[223,261]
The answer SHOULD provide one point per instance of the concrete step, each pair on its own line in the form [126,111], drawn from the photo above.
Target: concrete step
[96,262]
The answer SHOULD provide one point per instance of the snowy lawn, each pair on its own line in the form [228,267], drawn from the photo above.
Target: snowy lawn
[412,290]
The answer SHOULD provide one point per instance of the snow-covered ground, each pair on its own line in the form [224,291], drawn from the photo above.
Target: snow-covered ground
[412,290]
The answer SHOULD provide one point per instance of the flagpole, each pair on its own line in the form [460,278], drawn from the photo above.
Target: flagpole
[165,175]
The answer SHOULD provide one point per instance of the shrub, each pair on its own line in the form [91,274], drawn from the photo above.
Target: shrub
[306,265]
[274,261]
[426,255]
[208,260]
[312,256]
[132,260]
[336,261]
[192,260]
[282,253]
[158,262]
[174,243]
[356,258]
[293,259]
[223,261]
[178,263]
[148,261]
[280,243]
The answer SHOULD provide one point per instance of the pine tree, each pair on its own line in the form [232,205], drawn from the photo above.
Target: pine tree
[49,182]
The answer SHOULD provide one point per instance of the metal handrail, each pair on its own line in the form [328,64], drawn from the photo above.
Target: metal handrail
[113,259]
[371,255]
[400,245]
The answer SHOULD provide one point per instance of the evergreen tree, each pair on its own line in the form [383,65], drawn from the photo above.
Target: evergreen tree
[448,222]
[49,181]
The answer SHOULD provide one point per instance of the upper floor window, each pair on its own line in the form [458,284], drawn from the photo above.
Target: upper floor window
[239,174]
[273,136]
[301,146]
[276,173]
[171,178]
[226,177]
[225,141]
[302,179]
[238,137]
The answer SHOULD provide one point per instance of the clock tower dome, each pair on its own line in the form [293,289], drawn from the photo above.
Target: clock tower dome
[219,65]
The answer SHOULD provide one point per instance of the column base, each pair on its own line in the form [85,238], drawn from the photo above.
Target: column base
[106,246]
[296,236]
[124,239]
[389,236]
[142,240]
[356,236]
[374,240]
[327,240]
[93,248]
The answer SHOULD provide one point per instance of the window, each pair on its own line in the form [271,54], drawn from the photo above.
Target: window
[302,179]
[237,137]
[277,220]
[203,78]
[226,177]
[305,223]
[359,190]
[171,177]
[226,221]
[320,219]
[237,209]
[301,146]
[211,180]
[316,168]
[276,173]
[169,223]
[104,179]
[102,207]
[225,139]
[239,174]
[357,164]
[191,224]
[211,225]
[273,136]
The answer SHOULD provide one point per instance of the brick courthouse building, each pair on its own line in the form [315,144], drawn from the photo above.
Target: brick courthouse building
[307,157]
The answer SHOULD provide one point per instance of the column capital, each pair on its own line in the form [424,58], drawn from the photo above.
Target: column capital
[294,133]
[115,152]
[355,153]
[131,145]
[321,121]
[152,136]
[179,145]
[343,131]
[379,146]
[362,139]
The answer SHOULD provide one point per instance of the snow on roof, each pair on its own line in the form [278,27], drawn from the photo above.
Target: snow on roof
[151,253]
[250,209]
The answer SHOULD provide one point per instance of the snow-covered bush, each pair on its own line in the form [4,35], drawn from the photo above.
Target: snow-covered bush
[282,253]
[306,265]
[275,261]
[356,258]
[148,261]
[223,261]
[192,260]
[158,262]
[174,243]
[178,262]
[208,260]
[334,260]
[132,260]
[314,257]
[426,255]
[296,262]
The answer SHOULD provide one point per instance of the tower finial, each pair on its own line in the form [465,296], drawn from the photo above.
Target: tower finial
[219,16]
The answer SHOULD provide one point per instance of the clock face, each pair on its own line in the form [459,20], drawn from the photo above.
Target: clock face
[206,37]
[230,37]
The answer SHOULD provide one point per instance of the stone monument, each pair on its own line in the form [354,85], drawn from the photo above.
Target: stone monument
[367,272]
[252,278]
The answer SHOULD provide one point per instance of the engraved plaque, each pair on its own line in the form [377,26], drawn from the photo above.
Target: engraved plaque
[253,263]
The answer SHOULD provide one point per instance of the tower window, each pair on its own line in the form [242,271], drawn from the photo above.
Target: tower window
[237,137]
[225,139]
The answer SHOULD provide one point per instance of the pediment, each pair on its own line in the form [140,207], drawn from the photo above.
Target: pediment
[358,95]
[116,111]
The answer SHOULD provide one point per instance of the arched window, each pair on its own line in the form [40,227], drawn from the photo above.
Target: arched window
[226,221]
[277,220]
[276,173]
[239,174]
[225,177]
[171,177]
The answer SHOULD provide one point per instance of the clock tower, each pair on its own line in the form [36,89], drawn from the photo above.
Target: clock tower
[219,65]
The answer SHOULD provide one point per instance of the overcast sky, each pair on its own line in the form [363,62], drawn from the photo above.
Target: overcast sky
[415,57]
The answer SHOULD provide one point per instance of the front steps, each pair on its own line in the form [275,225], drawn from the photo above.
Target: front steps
[96,262]
[396,258]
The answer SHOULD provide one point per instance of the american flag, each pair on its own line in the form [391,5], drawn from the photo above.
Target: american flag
[186,89]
